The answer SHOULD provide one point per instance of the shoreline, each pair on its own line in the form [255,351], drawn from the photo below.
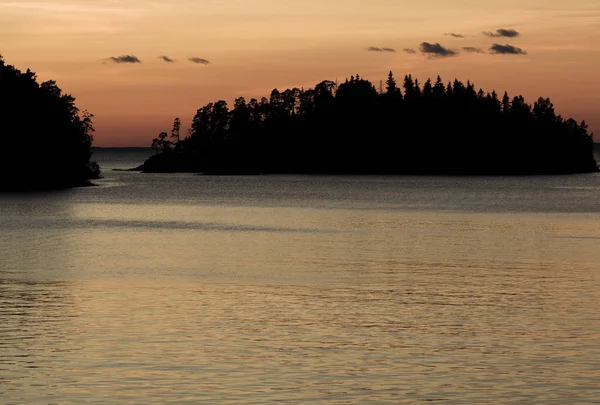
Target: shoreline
[50,188]
[140,169]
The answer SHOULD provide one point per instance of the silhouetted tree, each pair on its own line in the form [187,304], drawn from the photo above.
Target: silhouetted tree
[409,87]
[439,91]
[162,143]
[417,89]
[428,89]
[505,103]
[176,131]
[52,139]
[352,128]
[390,83]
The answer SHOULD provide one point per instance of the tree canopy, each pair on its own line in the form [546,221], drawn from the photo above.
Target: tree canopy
[434,128]
[50,138]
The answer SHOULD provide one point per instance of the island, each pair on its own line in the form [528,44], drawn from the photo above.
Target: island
[50,139]
[352,128]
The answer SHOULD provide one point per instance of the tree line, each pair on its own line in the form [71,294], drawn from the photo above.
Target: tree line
[429,128]
[50,138]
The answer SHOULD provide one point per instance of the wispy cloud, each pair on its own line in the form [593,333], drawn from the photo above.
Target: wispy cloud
[409,50]
[436,50]
[124,59]
[377,49]
[472,49]
[452,34]
[507,50]
[199,61]
[165,58]
[58,7]
[502,32]
[74,17]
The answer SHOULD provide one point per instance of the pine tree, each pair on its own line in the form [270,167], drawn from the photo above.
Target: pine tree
[417,89]
[439,91]
[428,89]
[391,86]
[409,87]
[505,103]
[176,130]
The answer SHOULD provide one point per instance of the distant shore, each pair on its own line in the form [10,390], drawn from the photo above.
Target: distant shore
[150,153]
[428,128]
[154,164]
[43,187]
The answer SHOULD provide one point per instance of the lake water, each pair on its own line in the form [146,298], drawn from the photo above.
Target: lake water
[158,288]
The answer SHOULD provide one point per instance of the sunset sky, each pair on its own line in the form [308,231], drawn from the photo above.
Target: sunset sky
[255,46]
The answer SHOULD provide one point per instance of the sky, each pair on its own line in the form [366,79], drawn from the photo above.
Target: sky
[224,49]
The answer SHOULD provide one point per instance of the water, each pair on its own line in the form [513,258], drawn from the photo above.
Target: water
[156,288]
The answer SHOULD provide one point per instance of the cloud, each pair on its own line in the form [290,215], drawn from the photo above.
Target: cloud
[436,50]
[472,49]
[199,61]
[452,34]
[124,59]
[54,7]
[507,50]
[501,32]
[377,49]
[166,59]
[409,50]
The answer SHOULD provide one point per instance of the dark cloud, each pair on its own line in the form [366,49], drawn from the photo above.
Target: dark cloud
[377,49]
[166,59]
[199,61]
[409,50]
[436,50]
[501,32]
[452,34]
[507,50]
[124,59]
[472,49]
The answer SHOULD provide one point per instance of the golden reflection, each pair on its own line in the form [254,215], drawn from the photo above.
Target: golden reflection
[330,302]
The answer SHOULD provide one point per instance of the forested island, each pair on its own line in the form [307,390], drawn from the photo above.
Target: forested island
[51,139]
[351,128]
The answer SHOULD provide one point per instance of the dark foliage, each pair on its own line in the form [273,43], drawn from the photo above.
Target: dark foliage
[351,128]
[51,139]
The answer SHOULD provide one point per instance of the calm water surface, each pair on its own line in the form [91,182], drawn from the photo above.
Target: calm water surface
[301,290]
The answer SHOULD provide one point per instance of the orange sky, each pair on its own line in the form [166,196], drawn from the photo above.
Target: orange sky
[254,46]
